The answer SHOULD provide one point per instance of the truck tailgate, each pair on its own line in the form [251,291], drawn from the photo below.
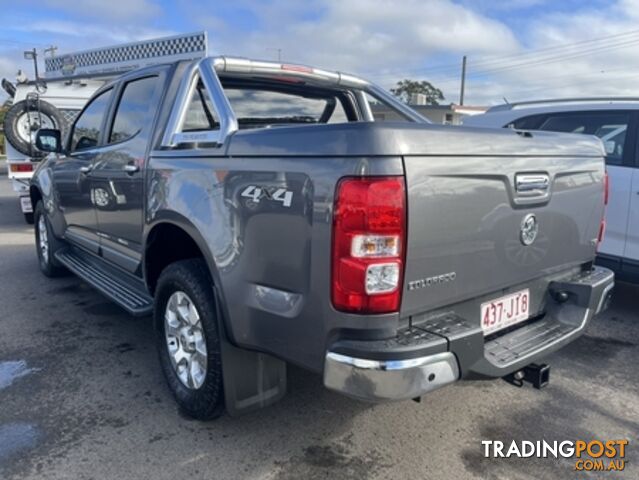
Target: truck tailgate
[467,215]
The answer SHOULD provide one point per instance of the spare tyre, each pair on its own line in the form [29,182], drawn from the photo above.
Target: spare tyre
[24,119]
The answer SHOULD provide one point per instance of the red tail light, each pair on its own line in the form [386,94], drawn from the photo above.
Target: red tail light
[369,235]
[21,167]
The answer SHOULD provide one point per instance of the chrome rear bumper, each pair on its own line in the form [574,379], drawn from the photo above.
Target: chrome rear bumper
[380,381]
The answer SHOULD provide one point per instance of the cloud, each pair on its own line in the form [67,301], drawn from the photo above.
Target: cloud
[119,9]
[368,35]
[89,35]
[9,68]
[384,40]
[589,68]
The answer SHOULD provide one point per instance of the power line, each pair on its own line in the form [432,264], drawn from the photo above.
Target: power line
[489,64]
[556,58]
[629,75]
[556,48]
[536,62]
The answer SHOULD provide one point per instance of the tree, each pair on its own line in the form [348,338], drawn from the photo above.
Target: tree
[405,88]
[3,110]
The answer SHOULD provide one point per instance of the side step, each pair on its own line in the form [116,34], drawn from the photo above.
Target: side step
[120,287]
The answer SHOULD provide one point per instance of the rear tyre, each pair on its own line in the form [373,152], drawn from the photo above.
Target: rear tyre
[188,338]
[28,217]
[47,244]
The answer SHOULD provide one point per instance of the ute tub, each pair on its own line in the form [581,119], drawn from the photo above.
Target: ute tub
[437,352]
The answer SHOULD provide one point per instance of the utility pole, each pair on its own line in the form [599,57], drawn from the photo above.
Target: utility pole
[33,55]
[52,49]
[463,81]
[279,53]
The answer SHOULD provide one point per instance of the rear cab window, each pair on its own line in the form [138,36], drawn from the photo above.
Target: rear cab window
[256,108]
[200,114]
[278,102]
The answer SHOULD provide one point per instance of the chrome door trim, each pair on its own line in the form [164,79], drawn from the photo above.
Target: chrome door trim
[532,184]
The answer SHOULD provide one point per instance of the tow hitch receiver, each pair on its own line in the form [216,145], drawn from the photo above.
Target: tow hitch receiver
[537,375]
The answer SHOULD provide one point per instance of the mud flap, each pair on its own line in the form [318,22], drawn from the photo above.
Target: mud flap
[252,380]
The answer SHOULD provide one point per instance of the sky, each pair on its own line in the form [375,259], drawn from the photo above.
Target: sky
[516,49]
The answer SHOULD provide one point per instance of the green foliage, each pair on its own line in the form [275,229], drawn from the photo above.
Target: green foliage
[3,110]
[405,88]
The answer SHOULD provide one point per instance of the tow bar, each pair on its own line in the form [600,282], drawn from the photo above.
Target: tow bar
[537,375]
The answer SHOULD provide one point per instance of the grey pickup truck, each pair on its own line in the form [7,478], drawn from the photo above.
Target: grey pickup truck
[263,215]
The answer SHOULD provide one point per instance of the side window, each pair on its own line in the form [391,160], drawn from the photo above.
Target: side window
[135,109]
[200,114]
[86,131]
[532,122]
[383,112]
[611,127]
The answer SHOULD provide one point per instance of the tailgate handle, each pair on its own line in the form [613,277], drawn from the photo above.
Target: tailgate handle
[533,184]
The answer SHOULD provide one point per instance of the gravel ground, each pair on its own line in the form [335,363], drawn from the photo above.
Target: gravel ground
[82,397]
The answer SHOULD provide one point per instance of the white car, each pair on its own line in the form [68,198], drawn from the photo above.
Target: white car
[616,122]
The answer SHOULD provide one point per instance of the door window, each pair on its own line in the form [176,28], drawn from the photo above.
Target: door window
[86,131]
[611,127]
[135,109]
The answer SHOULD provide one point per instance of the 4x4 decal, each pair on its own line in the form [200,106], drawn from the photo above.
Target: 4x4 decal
[256,194]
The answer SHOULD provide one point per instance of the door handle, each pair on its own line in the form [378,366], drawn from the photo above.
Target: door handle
[131,168]
[86,169]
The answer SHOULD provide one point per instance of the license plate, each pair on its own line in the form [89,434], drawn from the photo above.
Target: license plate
[25,205]
[505,311]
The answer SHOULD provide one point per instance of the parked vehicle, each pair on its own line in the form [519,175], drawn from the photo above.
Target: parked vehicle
[35,106]
[70,80]
[262,216]
[616,122]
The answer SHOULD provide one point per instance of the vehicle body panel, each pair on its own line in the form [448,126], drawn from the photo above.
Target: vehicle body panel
[632,238]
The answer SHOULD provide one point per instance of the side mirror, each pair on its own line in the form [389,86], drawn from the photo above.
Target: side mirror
[609,146]
[49,140]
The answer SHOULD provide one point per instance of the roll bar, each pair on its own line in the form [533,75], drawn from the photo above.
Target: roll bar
[209,70]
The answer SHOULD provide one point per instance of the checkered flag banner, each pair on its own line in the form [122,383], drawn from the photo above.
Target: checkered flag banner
[122,58]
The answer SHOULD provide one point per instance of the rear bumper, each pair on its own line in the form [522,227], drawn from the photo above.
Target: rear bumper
[387,380]
[445,348]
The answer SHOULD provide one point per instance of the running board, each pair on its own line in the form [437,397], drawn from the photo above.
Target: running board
[122,288]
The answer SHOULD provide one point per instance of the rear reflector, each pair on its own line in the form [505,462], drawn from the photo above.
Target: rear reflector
[602,225]
[369,234]
[602,232]
[21,167]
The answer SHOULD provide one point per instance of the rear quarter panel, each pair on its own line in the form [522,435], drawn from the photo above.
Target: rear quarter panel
[271,262]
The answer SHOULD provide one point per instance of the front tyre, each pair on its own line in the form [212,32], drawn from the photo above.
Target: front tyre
[188,338]
[47,244]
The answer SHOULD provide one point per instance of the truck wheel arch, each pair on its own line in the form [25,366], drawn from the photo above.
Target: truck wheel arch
[160,235]
[35,194]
